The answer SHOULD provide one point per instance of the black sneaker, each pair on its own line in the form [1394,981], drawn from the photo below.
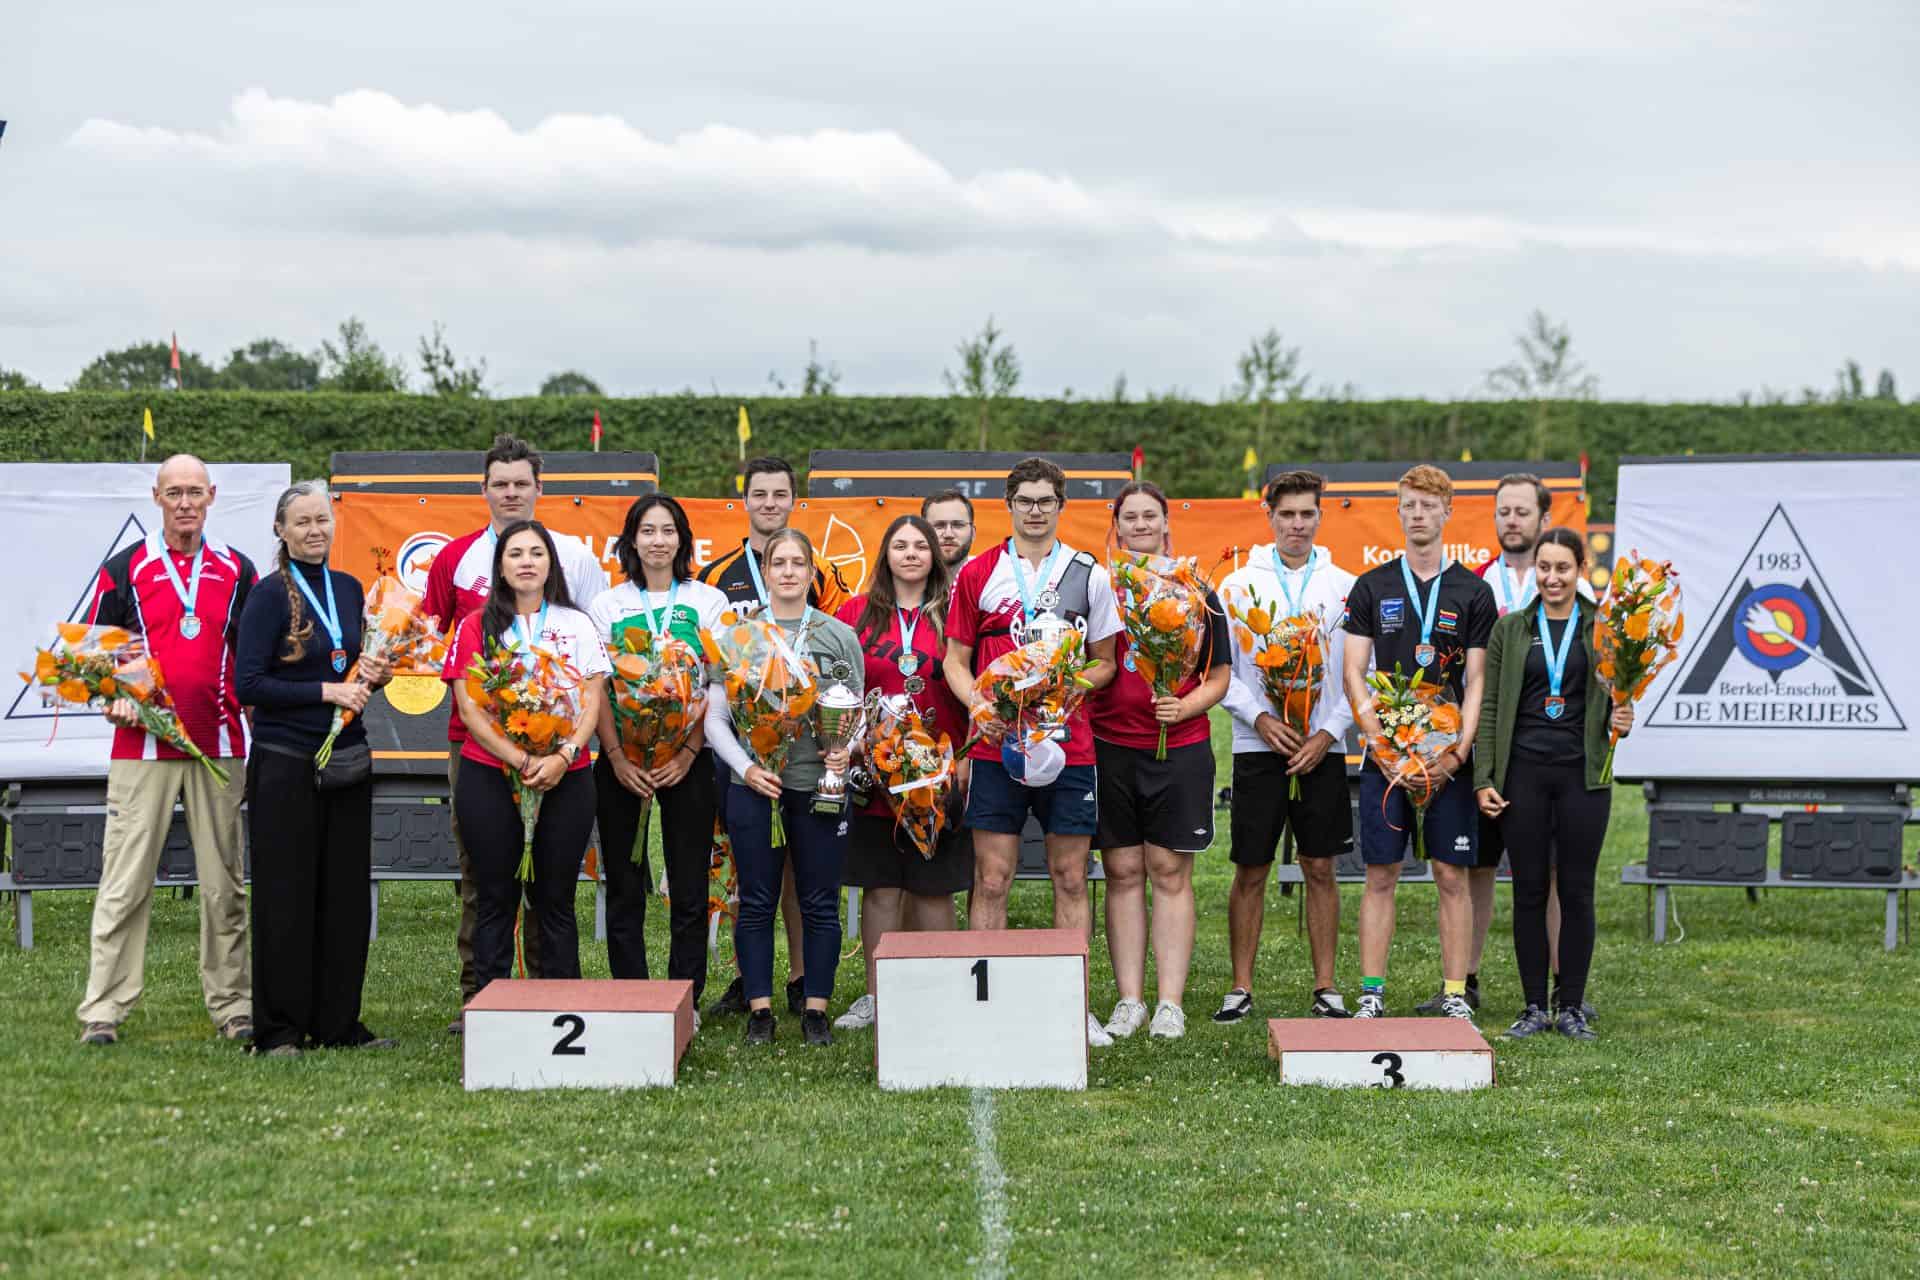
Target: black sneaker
[760,1026]
[797,997]
[1329,1004]
[732,1000]
[1532,1021]
[1586,1006]
[814,1028]
[1572,1024]
[1236,1006]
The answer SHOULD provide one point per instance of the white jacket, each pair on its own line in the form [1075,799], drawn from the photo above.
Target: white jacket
[1326,592]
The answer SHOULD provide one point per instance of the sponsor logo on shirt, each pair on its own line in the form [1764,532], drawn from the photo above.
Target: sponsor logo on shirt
[1446,620]
[1393,614]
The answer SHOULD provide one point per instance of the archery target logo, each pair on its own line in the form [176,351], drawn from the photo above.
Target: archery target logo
[1778,627]
[416,557]
[1777,651]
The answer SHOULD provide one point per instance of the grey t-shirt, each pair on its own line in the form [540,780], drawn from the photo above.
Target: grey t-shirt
[836,655]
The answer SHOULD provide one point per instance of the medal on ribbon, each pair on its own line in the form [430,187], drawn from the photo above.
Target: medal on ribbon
[1423,653]
[1555,705]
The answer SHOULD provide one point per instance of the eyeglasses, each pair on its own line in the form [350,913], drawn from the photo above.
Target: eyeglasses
[1041,506]
[184,495]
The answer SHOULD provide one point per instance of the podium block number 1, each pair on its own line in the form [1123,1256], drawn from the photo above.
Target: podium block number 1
[980,978]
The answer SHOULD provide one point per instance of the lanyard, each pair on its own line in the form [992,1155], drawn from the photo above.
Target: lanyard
[188,593]
[523,642]
[1432,611]
[1020,574]
[906,630]
[656,629]
[1556,661]
[753,567]
[1281,571]
[1516,592]
[330,616]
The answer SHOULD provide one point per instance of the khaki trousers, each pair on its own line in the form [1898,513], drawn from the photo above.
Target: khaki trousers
[140,799]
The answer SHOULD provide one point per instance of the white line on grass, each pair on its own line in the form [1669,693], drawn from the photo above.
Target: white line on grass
[994,1236]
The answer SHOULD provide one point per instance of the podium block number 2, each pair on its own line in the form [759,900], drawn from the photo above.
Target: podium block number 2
[569,1045]
[979,972]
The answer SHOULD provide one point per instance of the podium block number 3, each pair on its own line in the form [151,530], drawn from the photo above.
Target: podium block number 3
[1389,1064]
[979,972]
[569,1046]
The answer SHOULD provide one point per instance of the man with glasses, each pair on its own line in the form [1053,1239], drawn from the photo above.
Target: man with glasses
[181,592]
[997,596]
[950,512]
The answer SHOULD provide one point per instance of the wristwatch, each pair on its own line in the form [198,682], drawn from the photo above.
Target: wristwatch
[571,751]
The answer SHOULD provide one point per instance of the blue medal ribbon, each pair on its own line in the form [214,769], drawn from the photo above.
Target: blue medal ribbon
[189,591]
[1513,588]
[1281,571]
[656,627]
[1556,660]
[329,616]
[1020,575]
[909,663]
[522,641]
[753,568]
[1424,653]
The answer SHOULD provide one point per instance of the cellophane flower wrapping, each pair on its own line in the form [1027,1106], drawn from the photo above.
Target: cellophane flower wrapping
[1289,652]
[915,768]
[771,688]
[659,694]
[394,626]
[1028,691]
[1418,720]
[1636,632]
[91,666]
[1163,607]
[534,699]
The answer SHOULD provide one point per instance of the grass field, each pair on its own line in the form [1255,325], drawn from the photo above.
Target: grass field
[1749,1109]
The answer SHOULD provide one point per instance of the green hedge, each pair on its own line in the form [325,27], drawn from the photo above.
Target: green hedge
[1193,449]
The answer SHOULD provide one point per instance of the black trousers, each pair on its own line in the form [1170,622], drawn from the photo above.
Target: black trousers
[686,830]
[490,823]
[311,904]
[1551,819]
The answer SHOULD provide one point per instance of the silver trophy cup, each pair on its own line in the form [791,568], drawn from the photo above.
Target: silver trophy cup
[1049,626]
[840,717]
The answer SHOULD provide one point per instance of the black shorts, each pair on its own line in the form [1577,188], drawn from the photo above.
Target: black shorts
[1146,801]
[1322,817]
[878,859]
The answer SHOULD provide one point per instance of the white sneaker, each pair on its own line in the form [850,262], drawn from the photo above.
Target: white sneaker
[1457,1007]
[1169,1021]
[1128,1017]
[859,1015]
[1097,1037]
[1371,1006]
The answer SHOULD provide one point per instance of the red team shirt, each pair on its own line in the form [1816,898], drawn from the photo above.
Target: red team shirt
[1123,710]
[986,600]
[570,635]
[133,591]
[883,652]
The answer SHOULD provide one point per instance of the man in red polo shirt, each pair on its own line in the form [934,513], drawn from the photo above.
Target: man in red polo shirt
[182,592]
[457,585]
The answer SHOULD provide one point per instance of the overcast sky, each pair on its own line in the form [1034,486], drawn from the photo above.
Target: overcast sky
[1716,196]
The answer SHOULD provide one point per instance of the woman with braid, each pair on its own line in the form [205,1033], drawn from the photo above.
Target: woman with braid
[310,836]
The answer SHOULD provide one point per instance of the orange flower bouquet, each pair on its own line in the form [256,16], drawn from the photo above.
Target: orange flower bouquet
[393,626]
[1290,655]
[1163,605]
[770,687]
[1030,691]
[96,666]
[534,701]
[659,695]
[917,771]
[1636,632]
[1418,721]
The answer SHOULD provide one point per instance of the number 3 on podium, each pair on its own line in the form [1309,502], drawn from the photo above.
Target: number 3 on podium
[1390,1067]
[979,972]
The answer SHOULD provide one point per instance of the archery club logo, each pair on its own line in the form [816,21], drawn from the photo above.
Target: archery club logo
[1778,651]
[416,557]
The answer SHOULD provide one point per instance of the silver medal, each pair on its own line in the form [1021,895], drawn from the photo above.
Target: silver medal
[190,627]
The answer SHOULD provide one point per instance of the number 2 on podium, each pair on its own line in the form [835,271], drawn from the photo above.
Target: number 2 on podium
[568,1046]
[979,972]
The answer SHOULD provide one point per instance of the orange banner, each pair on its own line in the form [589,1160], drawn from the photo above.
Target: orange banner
[1361,530]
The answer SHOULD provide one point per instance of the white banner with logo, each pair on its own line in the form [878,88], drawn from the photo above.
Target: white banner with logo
[60,522]
[1798,661]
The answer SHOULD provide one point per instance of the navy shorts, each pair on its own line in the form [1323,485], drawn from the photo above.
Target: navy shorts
[1065,807]
[1386,830]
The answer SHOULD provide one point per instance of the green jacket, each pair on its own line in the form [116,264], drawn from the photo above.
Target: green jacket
[1500,700]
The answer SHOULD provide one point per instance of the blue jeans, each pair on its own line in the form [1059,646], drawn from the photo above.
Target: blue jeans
[818,846]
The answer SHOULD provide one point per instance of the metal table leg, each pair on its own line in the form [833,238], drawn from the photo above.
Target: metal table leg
[1893,919]
[1660,913]
[373,915]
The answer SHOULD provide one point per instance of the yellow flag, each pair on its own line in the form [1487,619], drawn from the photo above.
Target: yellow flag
[1251,461]
[146,423]
[746,428]
[1466,455]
